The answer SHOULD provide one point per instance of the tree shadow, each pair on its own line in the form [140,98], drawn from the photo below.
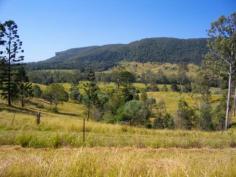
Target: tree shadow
[15,109]
[31,111]
[37,105]
[67,114]
[233,125]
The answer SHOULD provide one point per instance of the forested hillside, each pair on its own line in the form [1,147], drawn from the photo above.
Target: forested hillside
[171,50]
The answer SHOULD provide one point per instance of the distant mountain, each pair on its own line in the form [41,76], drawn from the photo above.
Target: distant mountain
[171,50]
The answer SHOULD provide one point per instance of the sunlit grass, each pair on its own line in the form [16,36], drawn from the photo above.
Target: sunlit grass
[113,162]
[65,129]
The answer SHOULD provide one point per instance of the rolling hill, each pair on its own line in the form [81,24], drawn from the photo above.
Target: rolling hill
[171,50]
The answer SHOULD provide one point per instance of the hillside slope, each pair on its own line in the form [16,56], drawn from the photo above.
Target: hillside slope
[171,50]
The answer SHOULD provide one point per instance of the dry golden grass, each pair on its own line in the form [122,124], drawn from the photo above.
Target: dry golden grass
[18,127]
[171,99]
[116,162]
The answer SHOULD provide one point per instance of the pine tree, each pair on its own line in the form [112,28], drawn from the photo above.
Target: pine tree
[91,97]
[74,92]
[90,88]
[24,86]
[10,56]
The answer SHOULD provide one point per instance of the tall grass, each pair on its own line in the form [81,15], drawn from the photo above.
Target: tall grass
[116,162]
[61,130]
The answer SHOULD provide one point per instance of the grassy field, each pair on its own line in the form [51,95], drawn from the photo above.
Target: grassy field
[116,162]
[55,147]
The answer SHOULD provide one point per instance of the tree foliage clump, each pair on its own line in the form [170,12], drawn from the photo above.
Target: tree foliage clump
[163,119]
[186,116]
[37,91]
[74,93]
[135,112]
[55,94]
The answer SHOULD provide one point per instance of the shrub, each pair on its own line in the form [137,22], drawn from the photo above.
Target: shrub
[187,87]
[152,88]
[206,116]
[55,94]
[164,121]
[186,117]
[24,140]
[174,87]
[37,92]
[168,121]
[130,93]
[135,112]
[74,93]
[164,88]
[219,115]
[143,96]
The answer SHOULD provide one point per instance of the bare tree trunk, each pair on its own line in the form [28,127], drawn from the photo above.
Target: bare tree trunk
[22,102]
[235,100]
[88,115]
[118,83]
[9,75]
[84,129]
[228,98]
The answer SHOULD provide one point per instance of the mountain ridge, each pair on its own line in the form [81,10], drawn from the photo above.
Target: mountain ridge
[161,49]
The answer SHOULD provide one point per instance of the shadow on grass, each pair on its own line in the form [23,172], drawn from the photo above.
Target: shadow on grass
[233,125]
[16,109]
[37,105]
[67,114]
[40,106]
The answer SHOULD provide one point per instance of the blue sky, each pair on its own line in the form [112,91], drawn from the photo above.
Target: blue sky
[48,26]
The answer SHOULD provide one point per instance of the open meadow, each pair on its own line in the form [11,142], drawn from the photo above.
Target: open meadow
[55,147]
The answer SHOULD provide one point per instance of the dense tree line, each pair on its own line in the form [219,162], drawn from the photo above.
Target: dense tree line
[150,79]
[50,76]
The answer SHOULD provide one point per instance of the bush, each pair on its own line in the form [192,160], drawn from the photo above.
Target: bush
[175,88]
[164,88]
[164,121]
[74,93]
[152,88]
[37,92]
[55,94]
[219,115]
[143,96]
[108,118]
[186,117]
[206,116]
[187,87]
[130,93]
[168,121]
[24,140]
[135,112]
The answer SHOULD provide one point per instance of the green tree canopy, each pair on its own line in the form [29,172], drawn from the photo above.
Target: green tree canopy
[55,94]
